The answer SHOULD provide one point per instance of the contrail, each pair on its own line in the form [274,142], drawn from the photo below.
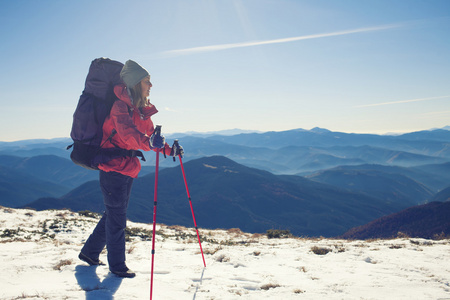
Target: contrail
[276,41]
[402,101]
[437,113]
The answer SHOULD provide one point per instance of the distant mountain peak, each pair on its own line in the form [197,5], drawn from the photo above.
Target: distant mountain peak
[319,130]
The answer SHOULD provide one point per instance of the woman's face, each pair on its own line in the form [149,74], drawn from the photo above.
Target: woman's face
[145,87]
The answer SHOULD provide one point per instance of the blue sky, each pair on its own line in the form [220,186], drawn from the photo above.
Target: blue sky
[346,65]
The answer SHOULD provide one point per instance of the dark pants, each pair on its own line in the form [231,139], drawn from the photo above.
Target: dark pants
[110,230]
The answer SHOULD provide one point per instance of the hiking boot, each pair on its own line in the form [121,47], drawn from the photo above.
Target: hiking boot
[90,261]
[126,273]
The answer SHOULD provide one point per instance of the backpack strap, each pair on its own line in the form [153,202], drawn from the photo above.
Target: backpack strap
[117,151]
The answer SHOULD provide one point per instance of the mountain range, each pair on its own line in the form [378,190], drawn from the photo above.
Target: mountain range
[314,182]
[288,152]
[227,194]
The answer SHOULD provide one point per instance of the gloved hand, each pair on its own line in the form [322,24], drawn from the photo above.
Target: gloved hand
[176,150]
[156,139]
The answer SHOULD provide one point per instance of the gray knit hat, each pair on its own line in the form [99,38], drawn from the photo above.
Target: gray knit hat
[132,73]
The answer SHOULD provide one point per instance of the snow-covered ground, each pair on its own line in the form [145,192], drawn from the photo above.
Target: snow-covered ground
[38,260]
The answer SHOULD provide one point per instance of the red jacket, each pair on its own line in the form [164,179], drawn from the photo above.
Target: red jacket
[133,133]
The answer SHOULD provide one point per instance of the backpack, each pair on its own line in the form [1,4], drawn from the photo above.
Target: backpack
[93,107]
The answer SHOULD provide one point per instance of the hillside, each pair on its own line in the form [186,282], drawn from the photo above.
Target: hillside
[379,184]
[442,196]
[51,168]
[228,195]
[424,221]
[18,188]
[434,177]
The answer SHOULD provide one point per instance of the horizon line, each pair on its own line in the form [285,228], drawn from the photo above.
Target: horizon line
[391,132]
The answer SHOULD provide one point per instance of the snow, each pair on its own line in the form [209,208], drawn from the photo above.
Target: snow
[39,260]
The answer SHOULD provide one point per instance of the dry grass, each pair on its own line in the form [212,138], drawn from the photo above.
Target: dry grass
[278,234]
[131,249]
[177,228]
[212,251]
[303,269]
[396,246]
[320,250]
[270,286]
[223,258]
[236,232]
[62,263]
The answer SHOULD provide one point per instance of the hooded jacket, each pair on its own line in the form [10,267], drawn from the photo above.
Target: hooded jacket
[134,127]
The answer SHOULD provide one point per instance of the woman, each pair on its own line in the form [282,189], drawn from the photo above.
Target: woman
[130,117]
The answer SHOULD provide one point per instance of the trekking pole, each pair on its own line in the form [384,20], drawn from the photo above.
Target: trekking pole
[190,201]
[155,201]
